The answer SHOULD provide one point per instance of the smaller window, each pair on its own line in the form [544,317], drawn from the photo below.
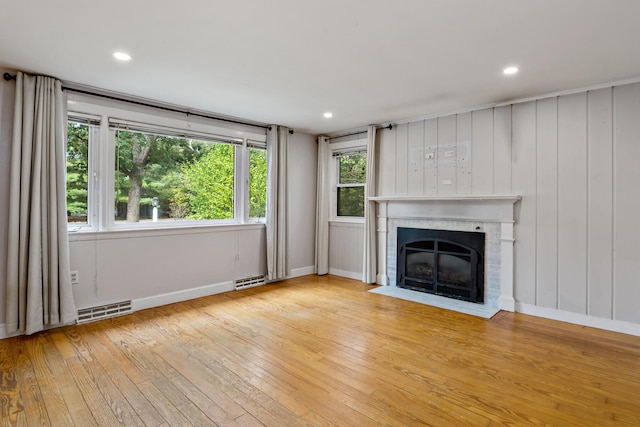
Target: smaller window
[79,133]
[352,173]
[257,181]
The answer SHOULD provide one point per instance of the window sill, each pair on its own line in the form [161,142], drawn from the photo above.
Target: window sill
[129,233]
[347,221]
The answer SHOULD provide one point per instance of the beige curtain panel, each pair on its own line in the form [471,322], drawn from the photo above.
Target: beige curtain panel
[370,261]
[323,204]
[38,278]
[277,147]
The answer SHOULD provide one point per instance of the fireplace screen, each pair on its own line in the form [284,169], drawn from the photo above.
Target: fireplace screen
[448,263]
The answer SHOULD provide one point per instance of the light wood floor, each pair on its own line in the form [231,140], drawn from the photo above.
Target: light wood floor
[319,351]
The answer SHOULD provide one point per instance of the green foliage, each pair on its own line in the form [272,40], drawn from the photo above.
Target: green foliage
[149,166]
[257,183]
[209,184]
[77,171]
[351,201]
[353,170]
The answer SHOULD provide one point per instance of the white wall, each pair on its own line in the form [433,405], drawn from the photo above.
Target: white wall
[154,267]
[574,159]
[120,266]
[301,190]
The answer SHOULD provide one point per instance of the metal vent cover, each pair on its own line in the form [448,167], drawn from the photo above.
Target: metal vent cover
[104,311]
[249,282]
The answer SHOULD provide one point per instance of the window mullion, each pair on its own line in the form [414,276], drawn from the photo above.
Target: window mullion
[241,182]
[107,176]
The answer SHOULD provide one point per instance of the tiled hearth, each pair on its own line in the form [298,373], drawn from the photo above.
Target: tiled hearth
[492,215]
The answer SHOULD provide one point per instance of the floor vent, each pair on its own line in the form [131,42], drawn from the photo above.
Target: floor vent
[249,282]
[103,311]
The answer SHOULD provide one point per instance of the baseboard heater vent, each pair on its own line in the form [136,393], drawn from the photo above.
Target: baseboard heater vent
[104,311]
[249,282]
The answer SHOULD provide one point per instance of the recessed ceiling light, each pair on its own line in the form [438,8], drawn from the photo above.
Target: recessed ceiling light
[121,56]
[510,70]
[328,115]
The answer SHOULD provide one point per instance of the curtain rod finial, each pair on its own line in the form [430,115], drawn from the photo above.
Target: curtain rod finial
[8,76]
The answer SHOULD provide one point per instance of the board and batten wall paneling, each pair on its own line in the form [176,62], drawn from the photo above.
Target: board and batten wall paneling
[463,153]
[402,163]
[431,157]
[415,170]
[574,159]
[626,202]
[547,203]
[572,203]
[387,162]
[502,150]
[482,151]
[446,155]
[346,245]
[523,154]
[600,197]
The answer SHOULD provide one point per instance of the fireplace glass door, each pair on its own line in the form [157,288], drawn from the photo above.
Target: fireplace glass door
[441,266]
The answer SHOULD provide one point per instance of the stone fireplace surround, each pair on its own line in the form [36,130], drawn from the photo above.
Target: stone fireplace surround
[493,215]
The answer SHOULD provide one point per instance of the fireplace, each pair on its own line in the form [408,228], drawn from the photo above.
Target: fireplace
[491,215]
[441,262]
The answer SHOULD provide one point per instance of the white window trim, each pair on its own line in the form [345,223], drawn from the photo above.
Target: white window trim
[100,210]
[334,172]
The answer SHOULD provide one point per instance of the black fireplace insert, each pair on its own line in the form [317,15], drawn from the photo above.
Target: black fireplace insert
[442,262]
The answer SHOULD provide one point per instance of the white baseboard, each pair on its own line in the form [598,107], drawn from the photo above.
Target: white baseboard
[580,319]
[178,296]
[304,271]
[356,275]
[507,304]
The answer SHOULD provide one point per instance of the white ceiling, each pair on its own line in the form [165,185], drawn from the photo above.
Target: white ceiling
[289,61]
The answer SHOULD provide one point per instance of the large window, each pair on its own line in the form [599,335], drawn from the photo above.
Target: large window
[159,177]
[154,175]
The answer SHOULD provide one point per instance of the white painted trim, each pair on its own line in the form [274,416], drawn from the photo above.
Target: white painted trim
[303,271]
[506,301]
[453,198]
[579,319]
[382,279]
[182,295]
[355,275]
[159,231]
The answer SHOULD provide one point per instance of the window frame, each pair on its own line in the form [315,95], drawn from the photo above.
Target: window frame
[101,197]
[336,148]
[258,145]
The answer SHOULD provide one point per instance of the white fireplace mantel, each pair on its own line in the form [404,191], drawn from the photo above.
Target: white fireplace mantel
[494,214]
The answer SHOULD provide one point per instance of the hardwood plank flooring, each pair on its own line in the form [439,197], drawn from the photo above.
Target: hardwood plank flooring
[319,351]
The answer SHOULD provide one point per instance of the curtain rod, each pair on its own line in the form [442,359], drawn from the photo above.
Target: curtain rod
[389,127]
[8,77]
